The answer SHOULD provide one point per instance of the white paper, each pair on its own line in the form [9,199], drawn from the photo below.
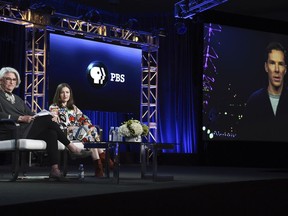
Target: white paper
[43,112]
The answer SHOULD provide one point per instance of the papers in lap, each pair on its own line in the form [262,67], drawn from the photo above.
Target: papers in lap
[43,112]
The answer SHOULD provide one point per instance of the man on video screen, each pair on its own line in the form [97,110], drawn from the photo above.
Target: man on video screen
[266,114]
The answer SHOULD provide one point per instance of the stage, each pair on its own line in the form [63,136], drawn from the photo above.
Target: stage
[195,190]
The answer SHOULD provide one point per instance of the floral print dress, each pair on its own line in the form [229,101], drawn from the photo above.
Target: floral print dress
[79,124]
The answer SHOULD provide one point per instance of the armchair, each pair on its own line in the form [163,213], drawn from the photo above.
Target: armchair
[19,148]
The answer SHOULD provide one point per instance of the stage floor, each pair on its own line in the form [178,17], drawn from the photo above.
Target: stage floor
[195,189]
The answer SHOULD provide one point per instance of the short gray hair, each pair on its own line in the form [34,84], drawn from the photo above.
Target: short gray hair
[5,70]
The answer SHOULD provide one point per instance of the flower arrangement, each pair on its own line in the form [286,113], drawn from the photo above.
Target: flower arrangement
[133,128]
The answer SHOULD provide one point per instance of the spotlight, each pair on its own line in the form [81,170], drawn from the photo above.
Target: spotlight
[180,28]
[162,32]
[43,8]
[131,24]
[22,5]
[135,38]
[91,16]
[159,32]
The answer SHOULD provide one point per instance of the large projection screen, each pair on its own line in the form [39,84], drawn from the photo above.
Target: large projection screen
[103,76]
[233,68]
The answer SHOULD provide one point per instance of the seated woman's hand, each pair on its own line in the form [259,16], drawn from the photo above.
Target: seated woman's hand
[25,118]
[71,128]
[97,138]
[55,119]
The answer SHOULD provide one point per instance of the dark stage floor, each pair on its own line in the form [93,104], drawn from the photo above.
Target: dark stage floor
[195,190]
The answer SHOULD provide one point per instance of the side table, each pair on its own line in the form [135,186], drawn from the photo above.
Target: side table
[144,175]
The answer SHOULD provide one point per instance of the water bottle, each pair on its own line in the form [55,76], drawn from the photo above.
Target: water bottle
[111,132]
[119,137]
[81,172]
[115,134]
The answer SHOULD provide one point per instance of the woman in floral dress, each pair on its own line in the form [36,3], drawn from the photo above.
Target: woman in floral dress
[78,125]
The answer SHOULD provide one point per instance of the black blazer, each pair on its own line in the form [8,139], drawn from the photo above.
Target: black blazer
[259,122]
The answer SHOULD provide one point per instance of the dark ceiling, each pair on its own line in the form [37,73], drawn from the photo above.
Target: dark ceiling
[269,9]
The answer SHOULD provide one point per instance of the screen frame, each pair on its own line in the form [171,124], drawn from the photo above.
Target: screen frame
[135,112]
[237,21]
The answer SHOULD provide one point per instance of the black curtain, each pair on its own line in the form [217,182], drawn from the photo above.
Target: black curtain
[12,49]
[12,54]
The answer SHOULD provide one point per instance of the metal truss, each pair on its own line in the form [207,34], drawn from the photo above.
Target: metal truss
[105,32]
[149,91]
[35,52]
[35,67]
[38,24]
[188,8]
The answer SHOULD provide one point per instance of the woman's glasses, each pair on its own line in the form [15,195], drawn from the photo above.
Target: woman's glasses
[8,79]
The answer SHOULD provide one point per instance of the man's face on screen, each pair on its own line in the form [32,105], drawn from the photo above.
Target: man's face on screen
[276,69]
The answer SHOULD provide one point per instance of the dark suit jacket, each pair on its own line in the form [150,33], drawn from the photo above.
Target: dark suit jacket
[259,122]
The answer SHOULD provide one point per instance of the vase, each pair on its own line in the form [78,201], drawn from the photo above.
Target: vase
[133,139]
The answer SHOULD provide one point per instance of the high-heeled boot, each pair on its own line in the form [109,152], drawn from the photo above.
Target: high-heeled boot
[98,168]
[103,158]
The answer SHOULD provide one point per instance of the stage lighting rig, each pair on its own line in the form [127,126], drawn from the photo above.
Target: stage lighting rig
[42,8]
[159,32]
[40,13]
[188,8]
[131,24]
[22,5]
[180,28]
[91,16]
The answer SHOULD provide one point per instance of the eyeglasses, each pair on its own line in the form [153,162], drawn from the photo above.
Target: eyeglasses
[10,79]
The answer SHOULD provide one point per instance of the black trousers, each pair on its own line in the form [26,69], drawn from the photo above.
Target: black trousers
[44,128]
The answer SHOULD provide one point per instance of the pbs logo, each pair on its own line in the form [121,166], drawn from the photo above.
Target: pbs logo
[98,75]
[115,77]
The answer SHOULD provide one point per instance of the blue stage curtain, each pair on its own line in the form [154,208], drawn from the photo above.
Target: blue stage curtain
[105,120]
[178,108]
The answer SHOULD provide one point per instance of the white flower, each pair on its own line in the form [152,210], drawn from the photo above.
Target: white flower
[133,128]
[124,131]
[137,128]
